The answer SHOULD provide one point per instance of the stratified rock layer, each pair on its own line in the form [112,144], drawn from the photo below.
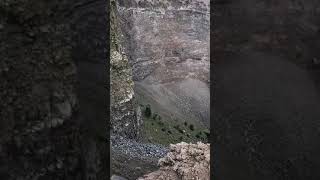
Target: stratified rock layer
[167,45]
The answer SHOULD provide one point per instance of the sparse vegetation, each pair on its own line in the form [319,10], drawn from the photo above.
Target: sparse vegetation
[166,131]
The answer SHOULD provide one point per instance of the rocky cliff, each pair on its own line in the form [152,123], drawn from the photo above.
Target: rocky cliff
[160,57]
[167,45]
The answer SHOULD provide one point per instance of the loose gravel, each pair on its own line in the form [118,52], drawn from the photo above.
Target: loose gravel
[135,149]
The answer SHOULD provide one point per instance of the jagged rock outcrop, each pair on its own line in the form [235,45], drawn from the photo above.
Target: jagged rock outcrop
[48,54]
[125,119]
[183,162]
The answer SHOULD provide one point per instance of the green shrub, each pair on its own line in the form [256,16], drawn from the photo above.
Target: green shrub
[207,134]
[191,127]
[185,123]
[147,111]
[163,129]
[180,138]
[160,123]
[155,116]
[199,135]
[169,132]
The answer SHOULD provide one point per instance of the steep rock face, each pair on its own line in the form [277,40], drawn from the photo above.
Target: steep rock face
[167,44]
[40,70]
[183,162]
[125,119]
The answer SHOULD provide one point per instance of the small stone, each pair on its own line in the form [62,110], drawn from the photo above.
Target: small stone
[55,122]
[51,167]
[59,164]
[44,29]
[31,34]
[64,109]
[315,61]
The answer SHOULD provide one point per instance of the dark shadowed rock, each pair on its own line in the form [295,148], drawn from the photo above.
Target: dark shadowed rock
[266,119]
[43,48]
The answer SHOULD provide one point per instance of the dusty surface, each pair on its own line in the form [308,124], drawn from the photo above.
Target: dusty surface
[183,162]
[185,99]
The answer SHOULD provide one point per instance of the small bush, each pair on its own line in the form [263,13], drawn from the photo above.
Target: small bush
[147,111]
[155,116]
[169,132]
[185,123]
[160,123]
[163,129]
[191,127]
[180,138]
[199,135]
